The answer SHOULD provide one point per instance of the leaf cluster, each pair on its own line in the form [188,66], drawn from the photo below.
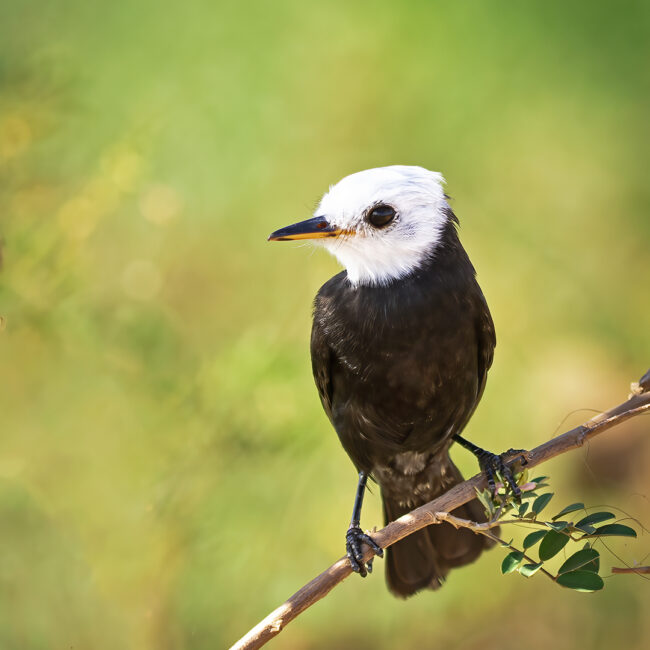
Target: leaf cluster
[566,528]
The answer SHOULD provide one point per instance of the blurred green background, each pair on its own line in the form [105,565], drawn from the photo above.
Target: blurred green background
[167,476]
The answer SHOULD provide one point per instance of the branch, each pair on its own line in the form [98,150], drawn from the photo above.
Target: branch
[631,569]
[485,530]
[437,511]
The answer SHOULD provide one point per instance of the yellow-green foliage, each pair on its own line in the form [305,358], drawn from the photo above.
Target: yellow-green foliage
[167,475]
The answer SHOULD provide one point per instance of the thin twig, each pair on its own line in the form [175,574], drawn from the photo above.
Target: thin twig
[637,404]
[631,569]
[485,530]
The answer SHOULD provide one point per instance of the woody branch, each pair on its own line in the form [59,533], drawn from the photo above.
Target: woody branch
[438,510]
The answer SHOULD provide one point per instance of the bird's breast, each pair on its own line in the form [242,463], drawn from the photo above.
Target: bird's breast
[403,358]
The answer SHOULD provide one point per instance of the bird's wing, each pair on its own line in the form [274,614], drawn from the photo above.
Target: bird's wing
[485,342]
[322,357]
[486,339]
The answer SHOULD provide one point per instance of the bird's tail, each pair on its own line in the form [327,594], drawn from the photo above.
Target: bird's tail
[423,559]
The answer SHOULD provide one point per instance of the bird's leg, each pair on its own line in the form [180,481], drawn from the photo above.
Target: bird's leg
[355,537]
[491,465]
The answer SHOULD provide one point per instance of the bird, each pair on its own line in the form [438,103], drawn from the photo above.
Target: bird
[402,340]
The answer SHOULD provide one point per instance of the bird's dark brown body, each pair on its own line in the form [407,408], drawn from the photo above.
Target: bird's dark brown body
[400,369]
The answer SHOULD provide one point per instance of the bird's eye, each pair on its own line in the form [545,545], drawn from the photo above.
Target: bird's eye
[381,215]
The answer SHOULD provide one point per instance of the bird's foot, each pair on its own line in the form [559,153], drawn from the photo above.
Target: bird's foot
[354,540]
[493,466]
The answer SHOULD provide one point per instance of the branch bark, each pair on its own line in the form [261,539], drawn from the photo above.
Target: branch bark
[437,511]
[631,569]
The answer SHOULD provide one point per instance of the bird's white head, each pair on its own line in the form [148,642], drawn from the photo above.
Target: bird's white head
[381,224]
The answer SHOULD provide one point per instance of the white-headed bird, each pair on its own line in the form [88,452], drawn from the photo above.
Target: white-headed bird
[401,344]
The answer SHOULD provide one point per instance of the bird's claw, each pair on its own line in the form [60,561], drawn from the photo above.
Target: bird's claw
[493,465]
[355,538]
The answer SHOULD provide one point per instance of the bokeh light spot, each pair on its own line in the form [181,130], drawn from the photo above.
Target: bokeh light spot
[141,280]
[160,204]
[123,167]
[78,217]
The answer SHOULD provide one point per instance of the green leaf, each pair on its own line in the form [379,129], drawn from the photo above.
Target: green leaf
[522,509]
[557,525]
[595,518]
[541,502]
[485,498]
[585,528]
[539,479]
[587,559]
[552,544]
[572,508]
[511,561]
[614,530]
[526,496]
[521,477]
[533,538]
[528,570]
[581,581]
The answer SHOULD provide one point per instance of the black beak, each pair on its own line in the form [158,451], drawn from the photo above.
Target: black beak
[314,228]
